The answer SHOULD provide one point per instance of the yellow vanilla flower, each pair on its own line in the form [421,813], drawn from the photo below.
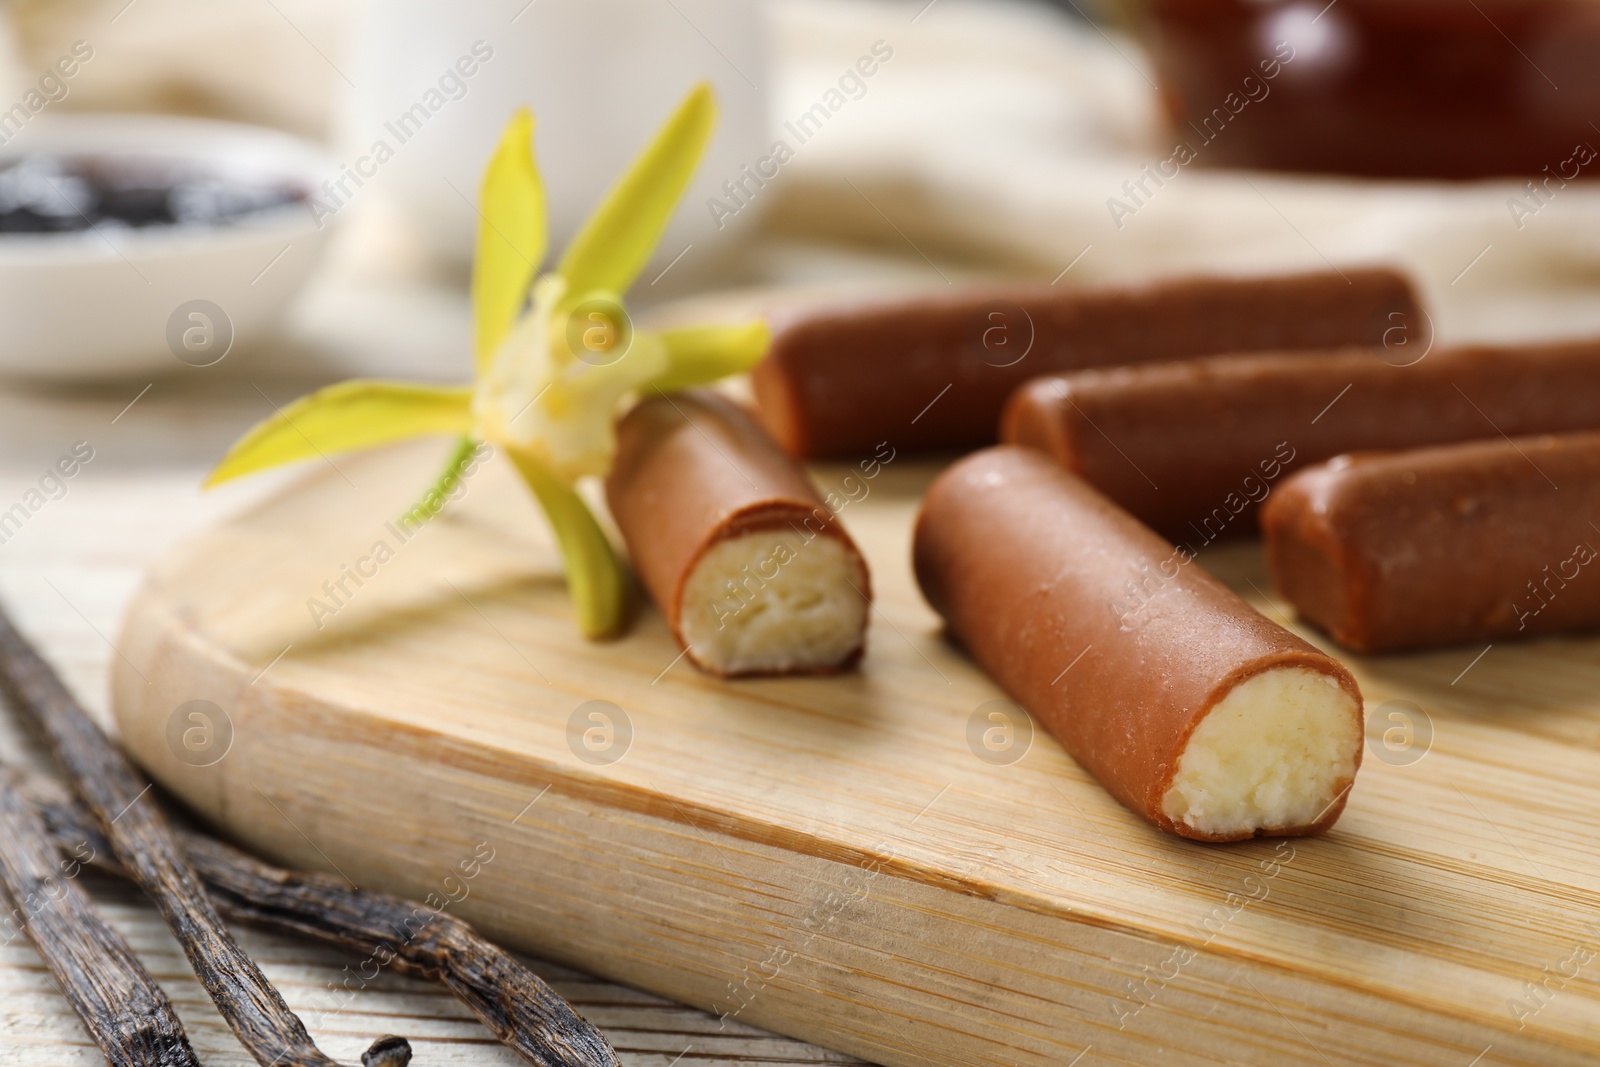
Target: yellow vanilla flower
[551,374]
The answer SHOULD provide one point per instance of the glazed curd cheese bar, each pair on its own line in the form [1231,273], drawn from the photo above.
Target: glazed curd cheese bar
[933,372]
[1192,448]
[750,569]
[1192,709]
[1464,543]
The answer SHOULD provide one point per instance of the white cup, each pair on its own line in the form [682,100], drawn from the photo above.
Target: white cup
[601,77]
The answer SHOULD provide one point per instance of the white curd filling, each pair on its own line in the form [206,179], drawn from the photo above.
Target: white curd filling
[769,601]
[1272,754]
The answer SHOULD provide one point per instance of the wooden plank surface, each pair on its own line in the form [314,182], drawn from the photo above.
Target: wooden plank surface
[832,858]
[67,577]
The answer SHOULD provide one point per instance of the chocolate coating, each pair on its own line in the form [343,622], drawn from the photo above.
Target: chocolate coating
[1032,567]
[1191,448]
[693,469]
[1439,546]
[934,372]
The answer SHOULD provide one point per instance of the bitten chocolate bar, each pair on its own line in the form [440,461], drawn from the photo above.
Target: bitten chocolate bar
[934,372]
[1195,711]
[1439,546]
[1192,448]
[751,570]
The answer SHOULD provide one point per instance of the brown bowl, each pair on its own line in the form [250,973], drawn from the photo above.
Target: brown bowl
[1383,88]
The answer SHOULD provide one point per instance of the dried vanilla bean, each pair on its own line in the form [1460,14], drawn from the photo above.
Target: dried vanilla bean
[513,1002]
[112,790]
[121,1006]
[388,1051]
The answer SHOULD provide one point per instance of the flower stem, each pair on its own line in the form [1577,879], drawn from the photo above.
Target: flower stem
[595,577]
[433,501]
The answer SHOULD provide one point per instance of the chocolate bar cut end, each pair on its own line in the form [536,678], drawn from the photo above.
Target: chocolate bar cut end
[1276,755]
[769,601]
[741,555]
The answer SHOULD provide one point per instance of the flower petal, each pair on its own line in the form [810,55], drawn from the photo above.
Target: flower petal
[616,242]
[595,578]
[345,417]
[700,355]
[511,236]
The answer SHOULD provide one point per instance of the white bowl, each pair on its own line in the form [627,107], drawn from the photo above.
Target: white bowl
[113,302]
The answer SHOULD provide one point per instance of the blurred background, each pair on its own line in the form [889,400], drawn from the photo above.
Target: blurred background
[1076,140]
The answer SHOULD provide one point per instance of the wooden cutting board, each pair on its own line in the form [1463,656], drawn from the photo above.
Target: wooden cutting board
[854,861]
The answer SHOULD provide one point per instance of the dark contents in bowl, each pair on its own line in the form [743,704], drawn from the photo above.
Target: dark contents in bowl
[58,194]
